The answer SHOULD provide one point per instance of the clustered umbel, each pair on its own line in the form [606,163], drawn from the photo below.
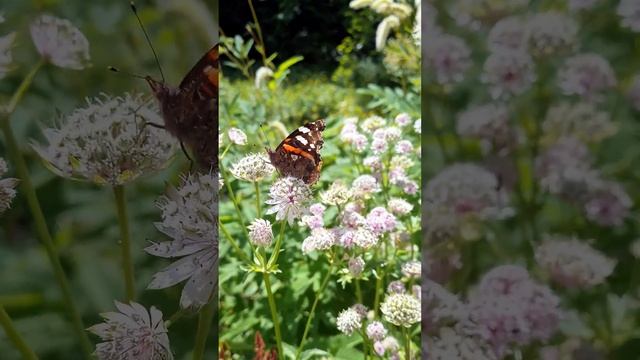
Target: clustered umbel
[189,218]
[133,332]
[108,141]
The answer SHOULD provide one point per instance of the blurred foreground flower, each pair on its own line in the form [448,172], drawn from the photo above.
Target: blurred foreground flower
[573,263]
[288,198]
[107,141]
[132,333]
[586,75]
[6,43]
[7,188]
[60,43]
[189,218]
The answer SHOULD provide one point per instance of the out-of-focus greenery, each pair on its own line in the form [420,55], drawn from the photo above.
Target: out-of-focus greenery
[82,217]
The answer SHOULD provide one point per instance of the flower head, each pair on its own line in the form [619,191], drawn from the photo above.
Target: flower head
[107,142]
[365,185]
[349,321]
[401,309]
[582,121]
[399,206]
[508,73]
[412,269]
[356,265]
[586,75]
[260,233]
[365,238]
[507,34]
[629,12]
[60,43]
[253,167]
[448,57]
[237,136]
[189,217]
[376,331]
[396,287]
[380,221]
[551,33]
[337,194]
[573,263]
[320,239]
[402,119]
[288,198]
[132,333]
[451,343]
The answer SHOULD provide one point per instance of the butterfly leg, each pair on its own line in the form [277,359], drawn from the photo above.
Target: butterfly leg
[184,150]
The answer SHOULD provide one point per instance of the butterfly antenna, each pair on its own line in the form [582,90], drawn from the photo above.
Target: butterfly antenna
[116,70]
[146,35]
[264,135]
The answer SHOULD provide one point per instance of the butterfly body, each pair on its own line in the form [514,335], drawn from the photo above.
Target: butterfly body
[298,155]
[190,111]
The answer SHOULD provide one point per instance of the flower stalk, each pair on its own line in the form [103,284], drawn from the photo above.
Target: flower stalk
[15,337]
[205,320]
[125,242]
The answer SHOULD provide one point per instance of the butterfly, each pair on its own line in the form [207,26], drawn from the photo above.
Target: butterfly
[298,155]
[190,111]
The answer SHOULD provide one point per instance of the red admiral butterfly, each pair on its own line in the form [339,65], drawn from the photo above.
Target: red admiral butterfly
[298,155]
[190,111]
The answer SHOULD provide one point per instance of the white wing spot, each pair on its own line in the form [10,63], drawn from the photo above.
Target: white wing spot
[312,146]
[302,140]
[304,129]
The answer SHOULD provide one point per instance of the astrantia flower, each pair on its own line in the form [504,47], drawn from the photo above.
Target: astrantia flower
[447,57]
[396,287]
[189,217]
[237,136]
[378,146]
[581,120]
[465,189]
[107,142]
[337,194]
[376,331]
[475,14]
[348,321]
[402,119]
[365,185]
[401,309]
[361,310]
[288,198]
[383,30]
[320,239]
[253,167]
[262,76]
[403,147]
[412,269]
[132,333]
[260,232]
[60,43]
[509,309]
[6,43]
[551,33]
[451,343]
[629,11]
[572,262]
[365,238]
[586,75]
[607,203]
[399,206]
[440,305]
[356,266]
[372,123]
[373,162]
[380,221]
[7,188]
[508,73]
[488,122]
[508,34]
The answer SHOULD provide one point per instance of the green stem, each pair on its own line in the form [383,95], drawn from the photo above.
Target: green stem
[376,298]
[175,317]
[22,88]
[276,249]
[358,291]
[274,314]
[125,243]
[232,196]
[321,289]
[205,320]
[258,204]
[15,337]
[407,343]
[38,217]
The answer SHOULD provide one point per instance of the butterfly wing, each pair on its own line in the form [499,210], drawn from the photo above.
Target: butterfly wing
[298,155]
[203,77]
